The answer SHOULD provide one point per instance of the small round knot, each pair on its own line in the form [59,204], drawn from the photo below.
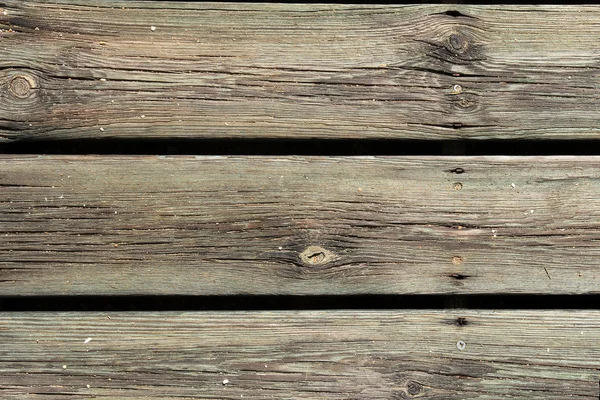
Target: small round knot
[316,255]
[414,388]
[466,103]
[21,86]
[457,43]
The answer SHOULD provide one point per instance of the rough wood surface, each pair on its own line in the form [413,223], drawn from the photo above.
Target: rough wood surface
[83,69]
[298,225]
[308,355]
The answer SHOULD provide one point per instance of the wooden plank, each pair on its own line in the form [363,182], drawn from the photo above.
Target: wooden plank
[298,225]
[83,69]
[307,355]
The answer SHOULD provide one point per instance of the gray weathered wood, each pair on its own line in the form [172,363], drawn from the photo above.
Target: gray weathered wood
[85,69]
[308,355]
[298,225]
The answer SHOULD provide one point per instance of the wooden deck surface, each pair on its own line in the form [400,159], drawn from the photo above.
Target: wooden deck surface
[298,225]
[301,355]
[123,69]
[85,232]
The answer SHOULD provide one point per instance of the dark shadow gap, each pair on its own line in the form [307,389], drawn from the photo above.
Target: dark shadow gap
[277,303]
[317,147]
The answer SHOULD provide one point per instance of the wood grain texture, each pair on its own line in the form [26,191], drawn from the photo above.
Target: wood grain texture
[307,355]
[83,69]
[298,225]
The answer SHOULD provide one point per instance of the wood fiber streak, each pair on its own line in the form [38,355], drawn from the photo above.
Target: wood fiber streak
[116,225]
[301,355]
[124,69]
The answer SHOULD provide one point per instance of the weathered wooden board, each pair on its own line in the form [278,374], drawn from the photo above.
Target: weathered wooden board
[308,355]
[83,69]
[298,225]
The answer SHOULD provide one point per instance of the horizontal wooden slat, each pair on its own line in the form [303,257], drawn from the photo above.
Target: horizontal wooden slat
[298,225]
[308,355]
[83,69]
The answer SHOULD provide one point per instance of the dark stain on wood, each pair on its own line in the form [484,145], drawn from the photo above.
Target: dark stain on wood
[455,14]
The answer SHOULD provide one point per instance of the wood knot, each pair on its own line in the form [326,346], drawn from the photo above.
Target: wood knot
[456,43]
[21,86]
[414,388]
[316,255]
[466,103]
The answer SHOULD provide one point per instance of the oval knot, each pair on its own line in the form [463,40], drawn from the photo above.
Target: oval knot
[21,86]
